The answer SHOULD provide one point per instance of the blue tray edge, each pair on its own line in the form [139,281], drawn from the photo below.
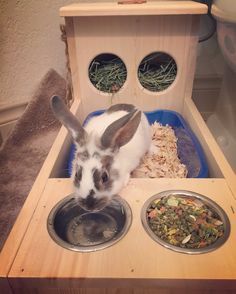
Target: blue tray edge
[203,173]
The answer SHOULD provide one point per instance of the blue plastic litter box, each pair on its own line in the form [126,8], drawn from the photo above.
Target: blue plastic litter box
[189,149]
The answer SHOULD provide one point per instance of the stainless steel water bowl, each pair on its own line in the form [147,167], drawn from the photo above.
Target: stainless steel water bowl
[76,229]
[205,200]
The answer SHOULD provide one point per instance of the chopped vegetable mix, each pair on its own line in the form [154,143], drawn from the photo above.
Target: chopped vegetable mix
[185,222]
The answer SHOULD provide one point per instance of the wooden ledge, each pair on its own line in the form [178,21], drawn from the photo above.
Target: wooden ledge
[40,263]
[149,8]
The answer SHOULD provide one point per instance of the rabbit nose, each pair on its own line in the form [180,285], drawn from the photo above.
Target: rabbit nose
[90,199]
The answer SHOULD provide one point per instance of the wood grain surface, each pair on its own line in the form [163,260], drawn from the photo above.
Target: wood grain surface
[148,8]
[136,260]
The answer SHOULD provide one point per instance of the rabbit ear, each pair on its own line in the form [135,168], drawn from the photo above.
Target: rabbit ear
[121,131]
[63,114]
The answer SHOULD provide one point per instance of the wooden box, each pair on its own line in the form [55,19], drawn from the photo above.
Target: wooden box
[31,262]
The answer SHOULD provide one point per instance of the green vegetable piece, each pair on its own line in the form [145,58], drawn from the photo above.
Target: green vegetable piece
[173,201]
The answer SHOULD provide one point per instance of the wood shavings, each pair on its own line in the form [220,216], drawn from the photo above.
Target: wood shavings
[162,161]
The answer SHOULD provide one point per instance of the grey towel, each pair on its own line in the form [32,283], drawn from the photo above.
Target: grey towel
[26,149]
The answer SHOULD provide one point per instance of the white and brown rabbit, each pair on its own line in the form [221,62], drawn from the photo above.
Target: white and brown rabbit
[108,149]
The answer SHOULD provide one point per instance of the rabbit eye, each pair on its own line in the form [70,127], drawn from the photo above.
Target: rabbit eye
[104,177]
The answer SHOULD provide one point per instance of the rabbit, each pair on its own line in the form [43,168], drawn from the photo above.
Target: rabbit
[108,149]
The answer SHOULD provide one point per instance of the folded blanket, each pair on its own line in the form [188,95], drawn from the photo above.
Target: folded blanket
[25,150]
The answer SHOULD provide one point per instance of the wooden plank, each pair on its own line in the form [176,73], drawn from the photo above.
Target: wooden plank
[136,260]
[15,237]
[148,8]
[174,35]
[191,53]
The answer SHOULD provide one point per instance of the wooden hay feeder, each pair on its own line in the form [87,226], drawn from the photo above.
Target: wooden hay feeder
[31,262]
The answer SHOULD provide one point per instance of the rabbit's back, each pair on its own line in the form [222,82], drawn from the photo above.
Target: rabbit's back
[130,154]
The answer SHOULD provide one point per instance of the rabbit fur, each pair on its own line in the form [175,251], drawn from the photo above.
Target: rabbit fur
[108,149]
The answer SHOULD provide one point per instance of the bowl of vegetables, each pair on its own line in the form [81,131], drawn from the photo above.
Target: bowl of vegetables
[185,221]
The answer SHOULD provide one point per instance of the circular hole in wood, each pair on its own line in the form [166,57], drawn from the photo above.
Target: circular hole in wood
[107,72]
[157,71]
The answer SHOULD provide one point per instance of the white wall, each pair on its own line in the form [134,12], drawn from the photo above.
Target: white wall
[29,46]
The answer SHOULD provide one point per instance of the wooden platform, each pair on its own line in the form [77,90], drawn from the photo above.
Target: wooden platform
[31,262]
[136,260]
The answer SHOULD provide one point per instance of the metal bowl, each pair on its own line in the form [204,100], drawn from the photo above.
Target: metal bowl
[205,200]
[76,229]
